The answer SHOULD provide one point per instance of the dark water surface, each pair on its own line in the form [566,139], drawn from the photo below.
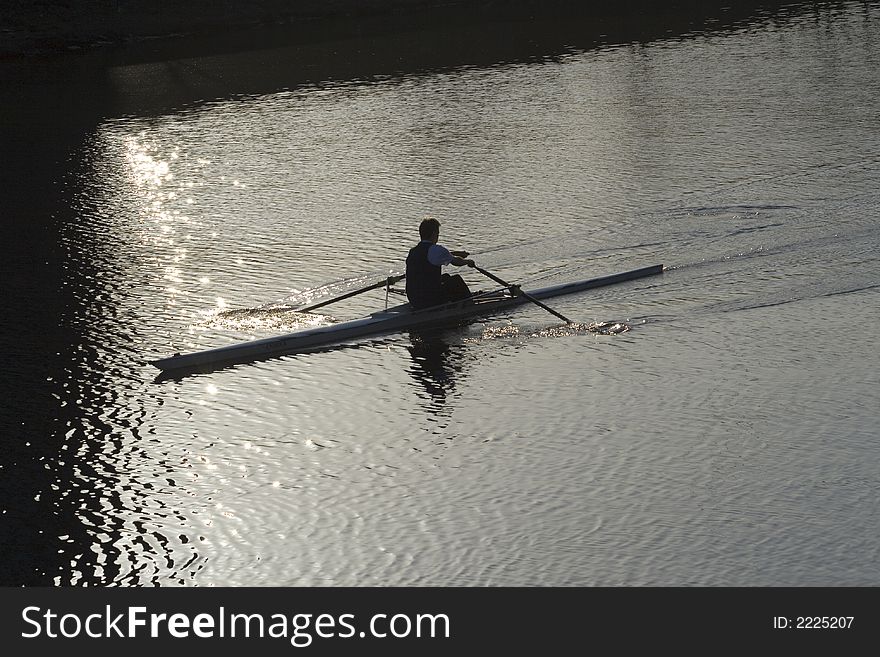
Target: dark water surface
[156,203]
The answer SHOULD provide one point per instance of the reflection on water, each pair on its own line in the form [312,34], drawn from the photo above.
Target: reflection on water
[435,365]
[186,230]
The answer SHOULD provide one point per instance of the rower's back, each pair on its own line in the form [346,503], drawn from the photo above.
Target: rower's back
[423,287]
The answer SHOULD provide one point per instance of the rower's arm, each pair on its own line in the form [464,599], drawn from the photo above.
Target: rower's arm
[459,259]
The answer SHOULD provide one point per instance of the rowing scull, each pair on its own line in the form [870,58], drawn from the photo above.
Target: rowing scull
[391,320]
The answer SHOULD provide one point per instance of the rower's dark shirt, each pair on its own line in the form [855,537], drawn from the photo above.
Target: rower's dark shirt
[422,278]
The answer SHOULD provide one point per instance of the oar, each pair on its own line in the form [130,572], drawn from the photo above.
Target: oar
[525,294]
[391,280]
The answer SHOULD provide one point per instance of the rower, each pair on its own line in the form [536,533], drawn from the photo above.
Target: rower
[426,285]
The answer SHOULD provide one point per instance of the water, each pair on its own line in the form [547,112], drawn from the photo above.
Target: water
[727,438]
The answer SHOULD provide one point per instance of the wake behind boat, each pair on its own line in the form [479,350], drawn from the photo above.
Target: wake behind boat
[392,320]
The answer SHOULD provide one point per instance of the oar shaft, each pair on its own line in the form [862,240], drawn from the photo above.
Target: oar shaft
[391,280]
[525,294]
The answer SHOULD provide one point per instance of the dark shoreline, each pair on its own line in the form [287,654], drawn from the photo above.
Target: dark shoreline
[39,28]
[51,28]
[34,29]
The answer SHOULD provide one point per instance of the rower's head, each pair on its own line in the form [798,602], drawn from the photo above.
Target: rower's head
[429,230]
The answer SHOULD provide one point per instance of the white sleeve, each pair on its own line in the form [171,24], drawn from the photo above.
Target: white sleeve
[439,255]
